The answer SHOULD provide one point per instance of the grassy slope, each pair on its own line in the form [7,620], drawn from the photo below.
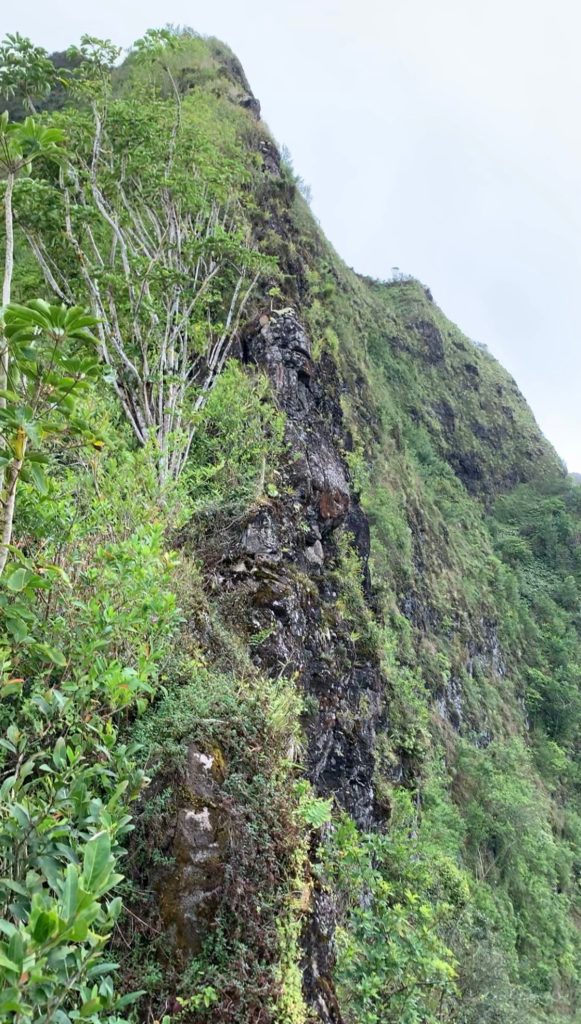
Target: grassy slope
[475,540]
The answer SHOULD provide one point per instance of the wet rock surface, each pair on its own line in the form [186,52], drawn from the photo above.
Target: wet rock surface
[299,533]
[282,562]
[189,897]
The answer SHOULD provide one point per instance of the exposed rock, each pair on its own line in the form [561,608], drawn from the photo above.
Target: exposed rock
[260,538]
[252,104]
[190,896]
[472,376]
[432,341]
[468,468]
[449,703]
[270,157]
[276,568]
[445,414]
[485,652]
[315,554]
[333,504]
[283,545]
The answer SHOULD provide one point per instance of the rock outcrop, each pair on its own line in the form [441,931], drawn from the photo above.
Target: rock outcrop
[281,564]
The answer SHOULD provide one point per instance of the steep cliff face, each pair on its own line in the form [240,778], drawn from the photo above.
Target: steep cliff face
[276,575]
[390,575]
[298,534]
[364,759]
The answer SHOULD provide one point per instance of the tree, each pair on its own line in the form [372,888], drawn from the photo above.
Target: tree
[46,370]
[167,267]
[26,71]
[20,145]
[37,374]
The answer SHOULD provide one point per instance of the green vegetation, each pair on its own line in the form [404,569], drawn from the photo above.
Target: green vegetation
[150,229]
[482,671]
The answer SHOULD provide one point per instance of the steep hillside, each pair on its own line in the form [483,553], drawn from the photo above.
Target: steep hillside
[291,694]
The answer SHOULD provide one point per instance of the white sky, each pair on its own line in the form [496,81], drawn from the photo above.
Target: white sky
[439,136]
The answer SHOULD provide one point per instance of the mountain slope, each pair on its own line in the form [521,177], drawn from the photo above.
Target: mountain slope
[361,599]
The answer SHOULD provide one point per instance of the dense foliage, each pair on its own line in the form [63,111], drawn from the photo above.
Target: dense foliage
[147,218]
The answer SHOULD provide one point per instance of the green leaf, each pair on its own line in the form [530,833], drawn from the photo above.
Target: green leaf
[100,969]
[97,862]
[91,1007]
[60,1017]
[70,893]
[18,580]
[130,998]
[39,477]
[9,689]
[21,814]
[9,883]
[8,964]
[10,1002]
[59,754]
[79,931]
[115,907]
[44,926]
[52,654]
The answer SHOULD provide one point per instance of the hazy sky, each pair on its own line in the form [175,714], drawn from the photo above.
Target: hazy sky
[439,136]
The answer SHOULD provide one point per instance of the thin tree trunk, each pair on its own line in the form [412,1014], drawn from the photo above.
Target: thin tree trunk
[6,293]
[7,282]
[9,499]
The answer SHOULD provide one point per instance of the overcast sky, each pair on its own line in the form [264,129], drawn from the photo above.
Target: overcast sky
[439,136]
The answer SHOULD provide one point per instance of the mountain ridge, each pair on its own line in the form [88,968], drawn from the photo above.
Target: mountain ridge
[355,603]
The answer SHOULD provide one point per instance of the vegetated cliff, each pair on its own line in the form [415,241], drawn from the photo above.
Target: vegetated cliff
[364,760]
